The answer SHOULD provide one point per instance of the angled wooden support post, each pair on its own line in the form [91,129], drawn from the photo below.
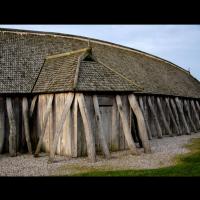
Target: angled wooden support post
[13,130]
[163,117]
[75,128]
[44,124]
[145,117]
[198,106]
[141,123]
[195,113]
[26,123]
[101,135]
[90,141]
[176,115]
[2,124]
[126,128]
[59,128]
[159,130]
[172,116]
[189,116]
[178,103]
[33,103]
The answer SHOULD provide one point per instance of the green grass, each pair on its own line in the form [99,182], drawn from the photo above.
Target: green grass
[186,165]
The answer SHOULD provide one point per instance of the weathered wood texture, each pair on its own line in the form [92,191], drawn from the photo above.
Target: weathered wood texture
[126,127]
[180,108]
[25,112]
[12,125]
[155,117]
[195,114]
[141,123]
[163,115]
[187,108]
[100,131]
[145,114]
[90,141]
[2,124]
[44,120]
[72,140]
[176,128]
[59,126]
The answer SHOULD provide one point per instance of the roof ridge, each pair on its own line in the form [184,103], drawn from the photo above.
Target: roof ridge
[38,75]
[122,76]
[80,58]
[67,53]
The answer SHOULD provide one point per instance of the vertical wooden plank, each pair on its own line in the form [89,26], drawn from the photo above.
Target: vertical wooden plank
[16,104]
[25,112]
[45,117]
[115,127]
[12,126]
[101,136]
[58,106]
[75,137]
[122,137]
[127,112]
[2,124]
[87,127]
[67,136]
[52,119]
[59,127]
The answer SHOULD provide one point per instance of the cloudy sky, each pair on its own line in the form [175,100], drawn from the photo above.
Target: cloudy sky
[179,44]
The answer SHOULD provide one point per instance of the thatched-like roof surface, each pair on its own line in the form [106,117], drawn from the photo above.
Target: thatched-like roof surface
[23,54]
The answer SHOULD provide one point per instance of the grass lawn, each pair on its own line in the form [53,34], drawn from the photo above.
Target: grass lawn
[187,165]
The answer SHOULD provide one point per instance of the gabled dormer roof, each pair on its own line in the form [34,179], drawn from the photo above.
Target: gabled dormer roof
[80,71]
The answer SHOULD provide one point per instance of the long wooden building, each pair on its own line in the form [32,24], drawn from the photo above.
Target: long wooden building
[77,96]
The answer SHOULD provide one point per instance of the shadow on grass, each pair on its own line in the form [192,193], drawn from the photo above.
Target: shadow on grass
[186,165]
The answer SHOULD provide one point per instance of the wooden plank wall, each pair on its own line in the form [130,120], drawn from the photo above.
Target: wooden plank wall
[110,118]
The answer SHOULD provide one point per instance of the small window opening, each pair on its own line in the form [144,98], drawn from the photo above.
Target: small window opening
[88,58]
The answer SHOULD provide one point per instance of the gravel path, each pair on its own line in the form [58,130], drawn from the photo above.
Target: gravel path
[163,150]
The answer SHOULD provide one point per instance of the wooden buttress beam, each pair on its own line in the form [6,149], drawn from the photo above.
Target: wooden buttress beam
[163,117]
[26,123]
[59,128]
[195,113]
[141,123]
[12,125]
[172,116]
[75,129]
[159,130]
[178,103]
[101,136]
[90,141]
[189,116]
[44,124]
[176,115]
[141,103]
[32,107]
[125,126]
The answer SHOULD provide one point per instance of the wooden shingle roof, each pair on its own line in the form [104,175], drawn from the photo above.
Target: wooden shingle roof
[70,71]
[24,58]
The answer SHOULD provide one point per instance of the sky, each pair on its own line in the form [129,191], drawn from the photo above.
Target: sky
[179,44]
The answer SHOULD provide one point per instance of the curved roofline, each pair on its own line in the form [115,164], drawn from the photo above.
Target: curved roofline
[23,31]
